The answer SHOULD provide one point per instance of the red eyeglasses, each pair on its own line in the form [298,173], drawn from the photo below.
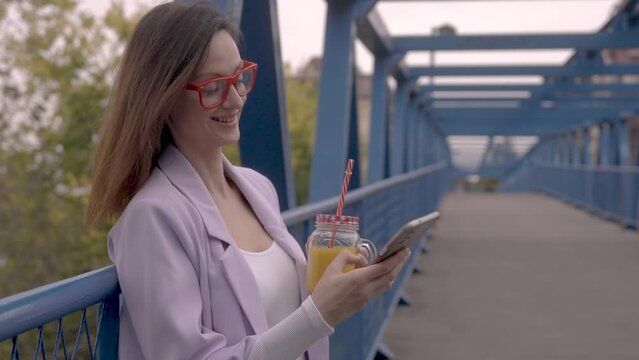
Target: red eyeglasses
[213,92]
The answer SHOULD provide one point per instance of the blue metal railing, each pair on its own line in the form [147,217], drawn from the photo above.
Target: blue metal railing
[35,308]
[609,191]
[382,207]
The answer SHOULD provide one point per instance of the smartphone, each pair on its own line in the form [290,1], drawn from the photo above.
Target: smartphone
[407,236]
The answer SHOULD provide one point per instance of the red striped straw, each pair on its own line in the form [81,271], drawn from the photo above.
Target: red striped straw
[347,179]
[342,195]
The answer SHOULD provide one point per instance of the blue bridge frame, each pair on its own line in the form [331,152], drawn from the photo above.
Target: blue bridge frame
[587,154]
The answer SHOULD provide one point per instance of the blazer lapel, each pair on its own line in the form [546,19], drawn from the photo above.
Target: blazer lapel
[269,215]
[184,177]
[244,286]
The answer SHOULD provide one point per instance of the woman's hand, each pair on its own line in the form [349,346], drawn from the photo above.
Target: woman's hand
[339,295]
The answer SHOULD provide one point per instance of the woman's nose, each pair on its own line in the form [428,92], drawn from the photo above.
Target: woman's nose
[233,99]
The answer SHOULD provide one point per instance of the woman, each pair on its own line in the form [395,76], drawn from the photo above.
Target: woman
[205,263]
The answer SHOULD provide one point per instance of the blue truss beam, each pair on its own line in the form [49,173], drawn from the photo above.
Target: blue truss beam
[541,70]
[513,123]
[471,114]
[373,33]
[398,129]
[612,40]
[378,144]
[264,144]
[529,87]
[353,134]
[561,99]
[515,104]
[485,154]
[334,102]
[503,127]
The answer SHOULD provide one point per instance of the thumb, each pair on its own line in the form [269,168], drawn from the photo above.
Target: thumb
[345,258]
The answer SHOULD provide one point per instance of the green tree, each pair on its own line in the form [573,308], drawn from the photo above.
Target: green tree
[59,63]
[301,104]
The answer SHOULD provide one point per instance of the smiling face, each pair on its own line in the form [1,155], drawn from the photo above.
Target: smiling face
[200,129]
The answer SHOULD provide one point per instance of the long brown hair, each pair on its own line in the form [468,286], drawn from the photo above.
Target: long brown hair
[162,55]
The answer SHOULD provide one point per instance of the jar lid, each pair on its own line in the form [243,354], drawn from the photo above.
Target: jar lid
[336,220]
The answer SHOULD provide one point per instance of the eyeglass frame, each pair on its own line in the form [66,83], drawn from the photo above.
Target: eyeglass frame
[230,80]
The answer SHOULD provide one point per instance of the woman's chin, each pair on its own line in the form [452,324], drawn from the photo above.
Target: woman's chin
[229,139]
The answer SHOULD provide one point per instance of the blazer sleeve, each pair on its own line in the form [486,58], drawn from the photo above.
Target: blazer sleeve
[160,287]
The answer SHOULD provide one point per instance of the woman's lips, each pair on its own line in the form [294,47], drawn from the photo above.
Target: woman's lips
[224,119]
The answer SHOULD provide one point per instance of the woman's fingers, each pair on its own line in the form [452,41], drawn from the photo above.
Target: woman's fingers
[374,271]
[338,295]
[345,258]
[384,282]
[364,253]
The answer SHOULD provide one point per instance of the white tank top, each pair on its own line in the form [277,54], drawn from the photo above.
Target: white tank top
[277,281]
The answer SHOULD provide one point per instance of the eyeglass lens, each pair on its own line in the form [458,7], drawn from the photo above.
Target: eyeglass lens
[213,93]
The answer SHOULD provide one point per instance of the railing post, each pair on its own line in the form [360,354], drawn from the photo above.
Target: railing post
[575,156]
[589,173]
[411,132]
[634,159]
[575,193]
[428,147]
[353,135]
[564,156]
[629,182]
[616,204]
[109,328]
[419,136]
[421,142]
[556,154]
[399,122]
[602,180]
[378,143]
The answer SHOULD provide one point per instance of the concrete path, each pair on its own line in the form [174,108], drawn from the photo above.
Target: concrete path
[521,276]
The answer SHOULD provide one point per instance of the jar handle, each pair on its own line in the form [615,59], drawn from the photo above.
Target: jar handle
[370,249]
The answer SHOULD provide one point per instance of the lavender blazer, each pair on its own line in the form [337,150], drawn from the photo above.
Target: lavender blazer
[188,292]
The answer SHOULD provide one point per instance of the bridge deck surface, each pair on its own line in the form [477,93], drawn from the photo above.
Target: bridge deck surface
[521,276]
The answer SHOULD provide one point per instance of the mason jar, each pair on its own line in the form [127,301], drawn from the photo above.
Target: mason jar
[332,235]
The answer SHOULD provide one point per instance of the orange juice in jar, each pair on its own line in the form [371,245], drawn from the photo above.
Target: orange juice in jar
[333,234]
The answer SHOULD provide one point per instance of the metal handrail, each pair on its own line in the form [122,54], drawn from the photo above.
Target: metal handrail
[302,213]
[35,307]
[623,169]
